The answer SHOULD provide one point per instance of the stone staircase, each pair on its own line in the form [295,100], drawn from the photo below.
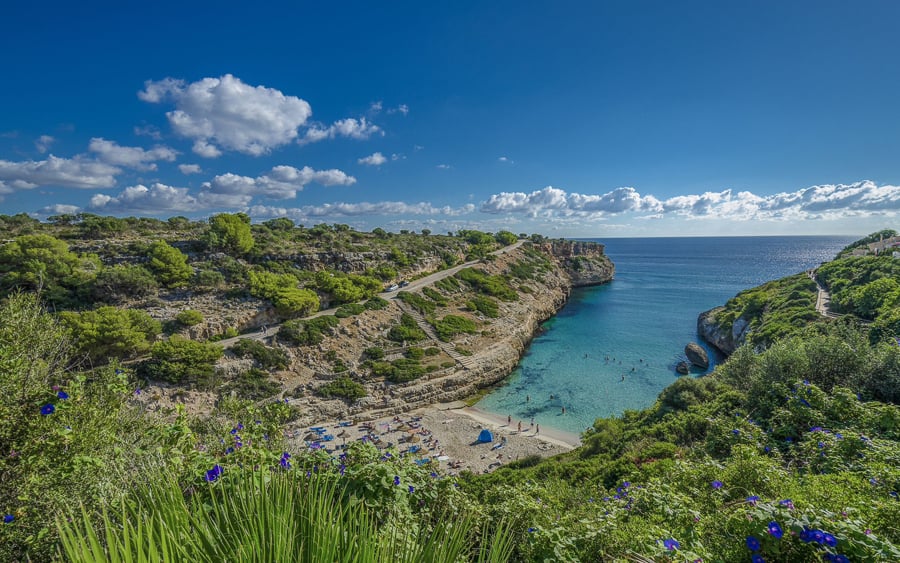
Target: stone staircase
[467,362]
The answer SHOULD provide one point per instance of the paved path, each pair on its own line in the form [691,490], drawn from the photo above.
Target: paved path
[823,298]
[272,330]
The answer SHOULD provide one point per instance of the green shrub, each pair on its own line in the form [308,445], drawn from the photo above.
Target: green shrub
[307,332]
[451,325]
[267,357]
[122,282]
[407,331]
[179,360]
[495,286]
[448,284]
[253,384]
[485,305]
[343,388]
[231,233]
[169,264]
[281,289]
[435,296]
[108,333]
[405,370]
[189,317]
[432,351]
[374,353]
[415,353]
[417,302]
[376,303]
[349,310]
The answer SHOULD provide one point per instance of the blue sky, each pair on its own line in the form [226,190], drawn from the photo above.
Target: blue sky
[566,118]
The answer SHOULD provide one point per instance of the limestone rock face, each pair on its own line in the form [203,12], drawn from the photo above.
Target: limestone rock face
[696,355]
[716,334]
[584,262]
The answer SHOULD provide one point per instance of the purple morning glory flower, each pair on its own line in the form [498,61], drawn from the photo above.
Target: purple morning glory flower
[433,475]
[396,479]
[717,485]
[841,559]
[775,530]
[753,500]
[671,544]
[229,450]
[532,530]
[342,469]
[47,409]
[214,473]
[829,540]
[736,432]
[285,463]
[411,489]
[753,543]
[8,519]
[137,391]
[62,395]
[787,502]
[757,558]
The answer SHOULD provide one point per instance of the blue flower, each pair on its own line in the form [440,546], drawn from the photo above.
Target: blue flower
[626,484]
[767,449]
[671,544]
[753,543]
[8,519]
[234,431]
[137,391]
[342,469]
[532,530]
[757,558]
[829,540]
[214,473]
[285,463]
[753,500]
[787,502]
[62,395]
[736,432]
[717,485]
[775,530]
[229,451]
[47,409]
[841,559]
[396,479]
[411,489]
[433,475]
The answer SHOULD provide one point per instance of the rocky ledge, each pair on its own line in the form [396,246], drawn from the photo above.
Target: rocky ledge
[725,337]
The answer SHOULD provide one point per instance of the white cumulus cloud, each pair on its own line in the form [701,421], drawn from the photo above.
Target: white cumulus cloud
[130,157]
[189,168]
[144,200]
[282,182]
[374,159]
[225,113]
[42,144]
[59,209]
[352,128]
[343,209]
[829,201]
[78,172]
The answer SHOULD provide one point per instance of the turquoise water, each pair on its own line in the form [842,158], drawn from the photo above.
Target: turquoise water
[641,322]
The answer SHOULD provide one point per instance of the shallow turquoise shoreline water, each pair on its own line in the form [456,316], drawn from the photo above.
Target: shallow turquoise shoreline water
[614,347]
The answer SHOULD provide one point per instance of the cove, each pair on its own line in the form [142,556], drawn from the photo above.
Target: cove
[614,347]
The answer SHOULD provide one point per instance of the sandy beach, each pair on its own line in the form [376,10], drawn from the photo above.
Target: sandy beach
[447,433]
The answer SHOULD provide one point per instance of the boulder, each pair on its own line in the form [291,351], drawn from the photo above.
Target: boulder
[696,355]
[683,368]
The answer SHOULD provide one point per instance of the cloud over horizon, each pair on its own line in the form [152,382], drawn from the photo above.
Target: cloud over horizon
[816,202]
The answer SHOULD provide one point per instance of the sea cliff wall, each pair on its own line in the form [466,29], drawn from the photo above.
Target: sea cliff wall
[726,337]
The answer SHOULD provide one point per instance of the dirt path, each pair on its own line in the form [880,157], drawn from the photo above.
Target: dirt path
[823,298]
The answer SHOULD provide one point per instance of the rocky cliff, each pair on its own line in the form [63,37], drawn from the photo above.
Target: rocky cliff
[584,262]
[724,336]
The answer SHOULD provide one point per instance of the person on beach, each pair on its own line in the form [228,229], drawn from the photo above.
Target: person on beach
[532,423]
[509,420]
[537,429]
[520,426]
[564,410]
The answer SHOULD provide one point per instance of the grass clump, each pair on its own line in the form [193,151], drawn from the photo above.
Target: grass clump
[307,332]
[451,325]
[343,388]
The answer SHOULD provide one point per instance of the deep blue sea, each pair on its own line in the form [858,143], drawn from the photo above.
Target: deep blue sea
[637,325]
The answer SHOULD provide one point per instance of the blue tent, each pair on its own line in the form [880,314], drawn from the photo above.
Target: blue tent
[485,436]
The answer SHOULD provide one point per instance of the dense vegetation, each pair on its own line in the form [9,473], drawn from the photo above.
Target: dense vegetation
[790,451]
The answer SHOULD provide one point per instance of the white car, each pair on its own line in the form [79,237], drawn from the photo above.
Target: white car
[394,287]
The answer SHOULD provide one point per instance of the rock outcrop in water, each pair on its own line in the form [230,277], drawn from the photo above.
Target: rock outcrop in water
[697,355]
